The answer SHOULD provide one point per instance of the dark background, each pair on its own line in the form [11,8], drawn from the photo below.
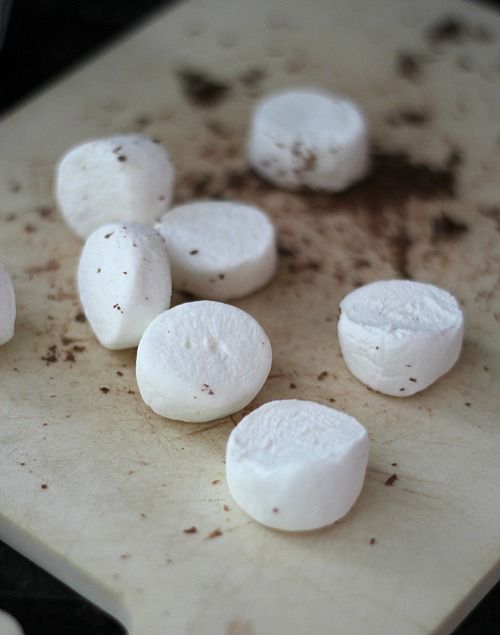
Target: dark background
[44,38]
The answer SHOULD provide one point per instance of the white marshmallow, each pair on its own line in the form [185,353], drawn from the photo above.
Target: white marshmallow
[201,361]
[124,282]
[399,336]
[126,177]
[7,306]
[308,138]
[219,250]
[296,465]
[8,625]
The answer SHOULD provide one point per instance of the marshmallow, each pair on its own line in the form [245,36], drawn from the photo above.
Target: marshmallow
[308,138]
[201,361]
[124,282]
[296,465]
[127,177]
[219,250]
[399,336]
[7,306]
[8,625]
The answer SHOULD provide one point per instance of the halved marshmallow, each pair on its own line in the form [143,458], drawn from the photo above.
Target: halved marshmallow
[7,306]
[202,360]
[9,625]
[219,250]
[124,282]
[308,138]
[399,336]
[125,177]
[296,465]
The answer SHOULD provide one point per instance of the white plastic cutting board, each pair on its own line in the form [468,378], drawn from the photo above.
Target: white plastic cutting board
[97,489]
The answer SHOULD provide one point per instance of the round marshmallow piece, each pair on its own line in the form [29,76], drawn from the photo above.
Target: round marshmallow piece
[399,336]
[308,138]
[7,306]
[201,361]
[124,282]
[9,625]
[296,465]
[126,177]
[219,250]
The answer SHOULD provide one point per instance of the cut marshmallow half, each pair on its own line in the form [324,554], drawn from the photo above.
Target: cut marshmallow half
[308,138]
[219,250]
[125,177]
[399,336]
[202,360]
[296,465]
[124,282]
[7,306]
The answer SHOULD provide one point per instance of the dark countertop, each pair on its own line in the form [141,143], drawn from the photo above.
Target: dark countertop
[43,39]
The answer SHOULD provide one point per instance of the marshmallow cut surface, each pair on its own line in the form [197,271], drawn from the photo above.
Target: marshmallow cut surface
[202,360]
[124,177]
[399,336]
[308,138]
[296,465]
[7,306]
[124,282]
[219,250]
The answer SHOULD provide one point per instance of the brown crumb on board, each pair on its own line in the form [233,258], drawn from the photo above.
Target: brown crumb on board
[445,227]
[214,534]
[373,541]
[190,530]
[391,480]
[80,317]
[202,89]
[104,390]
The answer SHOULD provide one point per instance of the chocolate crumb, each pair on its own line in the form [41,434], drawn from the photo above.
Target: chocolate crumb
[252,76]
[394,464]
[226,508]
[391,480]
[468,404]
[331,399]
[372,541]
[70,357]
[104,390]
[215,533]
[409,117]
[193,252]
[78,349]
[408,65]
[29,228]
[80,317]
[130,392]
[486,369]
[275,510]
[293,386]
[322,375]
[445,227]
[413,379]
[190,530]
[109,235]
[401,390]
[125,556]
[221,276]
[119,373]
[217,480]
[45,211]
[122,158]
[44,486]
[202,89]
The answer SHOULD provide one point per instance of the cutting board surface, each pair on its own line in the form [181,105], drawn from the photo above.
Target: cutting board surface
[98,489]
